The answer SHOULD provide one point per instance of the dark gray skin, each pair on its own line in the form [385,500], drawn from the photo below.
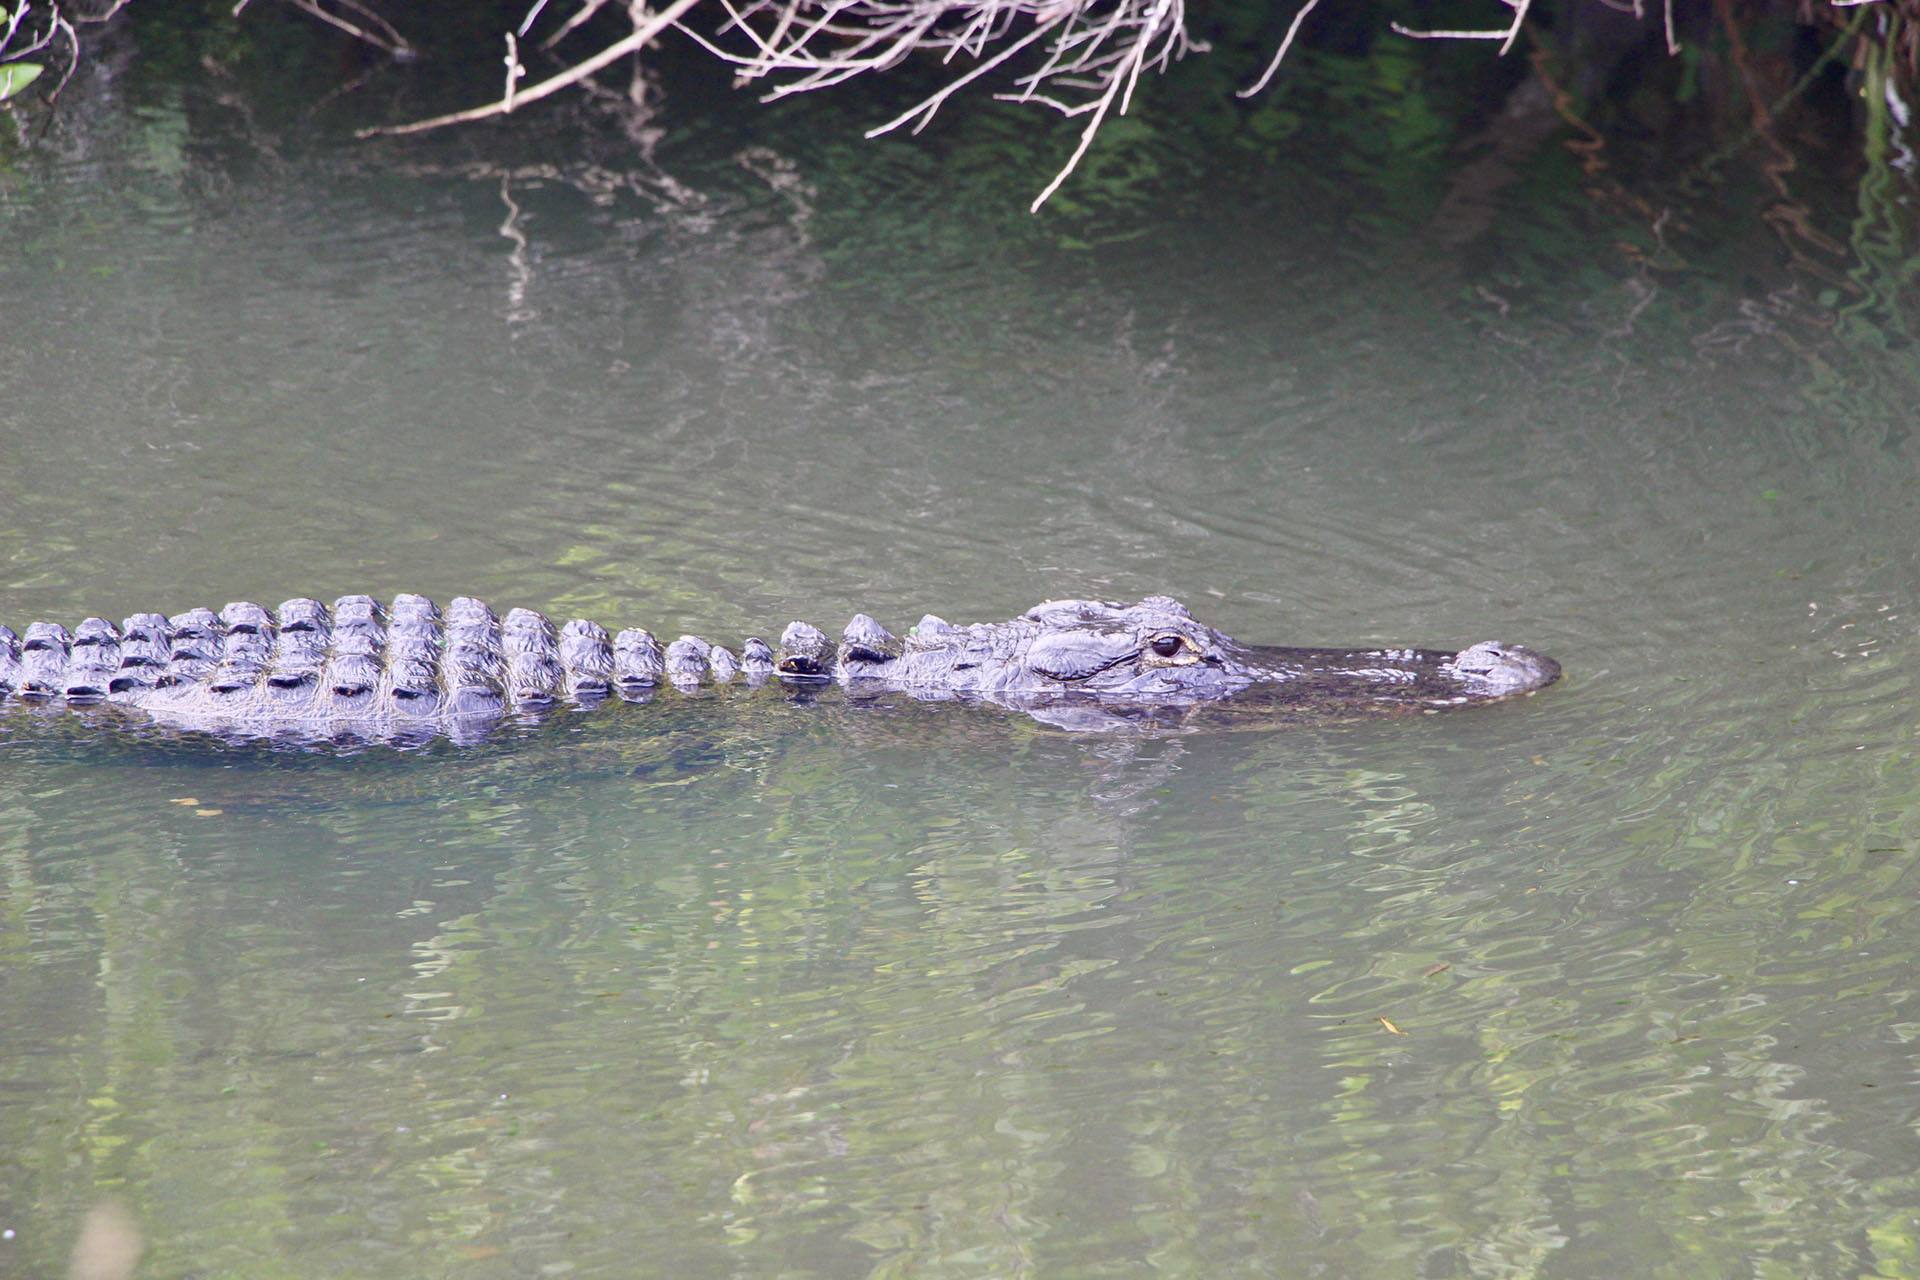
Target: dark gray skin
[356,672]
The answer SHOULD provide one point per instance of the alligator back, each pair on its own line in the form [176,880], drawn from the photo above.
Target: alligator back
[354,670]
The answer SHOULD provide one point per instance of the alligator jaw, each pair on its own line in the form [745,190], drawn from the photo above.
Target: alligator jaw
[1352,683]
[1270,687]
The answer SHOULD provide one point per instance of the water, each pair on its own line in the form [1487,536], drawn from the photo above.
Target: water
[1614,981]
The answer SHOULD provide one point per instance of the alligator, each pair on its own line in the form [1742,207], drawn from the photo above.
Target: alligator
[407,673]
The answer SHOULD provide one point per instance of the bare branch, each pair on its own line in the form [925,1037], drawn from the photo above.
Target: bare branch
[1280,54]
[926,109]
[515,73]
[1084,58]
[385,38]
[553,84]
[1506,37]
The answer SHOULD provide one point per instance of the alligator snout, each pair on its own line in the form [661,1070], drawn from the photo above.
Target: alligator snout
[1492,669]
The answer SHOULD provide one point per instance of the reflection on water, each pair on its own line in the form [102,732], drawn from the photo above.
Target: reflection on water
[933,990]
[1613,981]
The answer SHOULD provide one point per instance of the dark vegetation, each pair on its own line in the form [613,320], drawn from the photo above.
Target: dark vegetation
[1765,142]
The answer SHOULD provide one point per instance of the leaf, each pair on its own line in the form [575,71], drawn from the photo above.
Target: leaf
[16,76]
[1390,1027]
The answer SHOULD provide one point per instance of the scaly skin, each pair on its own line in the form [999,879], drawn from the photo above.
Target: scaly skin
[358,672]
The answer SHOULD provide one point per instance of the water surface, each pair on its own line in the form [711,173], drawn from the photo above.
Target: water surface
[1617,980]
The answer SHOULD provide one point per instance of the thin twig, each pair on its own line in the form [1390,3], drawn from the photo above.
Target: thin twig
[515,72]
[1293,29]
[1505,37]
[926,109]
[553,84]
[392,42]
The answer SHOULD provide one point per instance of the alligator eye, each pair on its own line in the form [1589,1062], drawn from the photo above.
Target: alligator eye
[1166,646]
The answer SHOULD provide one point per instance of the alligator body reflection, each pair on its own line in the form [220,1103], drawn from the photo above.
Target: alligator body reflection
[360,672]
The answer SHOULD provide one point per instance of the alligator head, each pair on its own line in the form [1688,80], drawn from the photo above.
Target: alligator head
[1084,664]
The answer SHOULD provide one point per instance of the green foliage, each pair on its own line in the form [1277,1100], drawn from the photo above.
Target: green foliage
[16,76]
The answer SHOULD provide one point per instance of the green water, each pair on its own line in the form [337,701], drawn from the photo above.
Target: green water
[1618,980]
